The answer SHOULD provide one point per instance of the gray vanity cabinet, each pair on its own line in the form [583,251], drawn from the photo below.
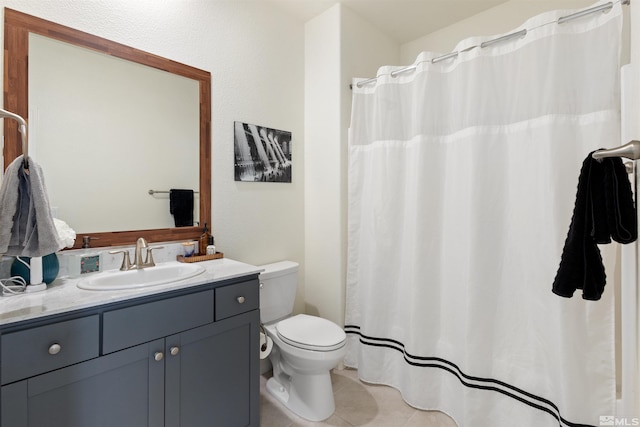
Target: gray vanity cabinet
[209,381]
[185,360]
[119,389]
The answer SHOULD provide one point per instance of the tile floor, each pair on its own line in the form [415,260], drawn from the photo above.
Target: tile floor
[357,404]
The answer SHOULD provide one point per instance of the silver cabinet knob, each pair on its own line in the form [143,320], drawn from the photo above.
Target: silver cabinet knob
[158,356]
[174,351]
[240,300]
[55,348]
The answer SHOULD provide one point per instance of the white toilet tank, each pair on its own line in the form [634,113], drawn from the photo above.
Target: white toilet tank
[278,284]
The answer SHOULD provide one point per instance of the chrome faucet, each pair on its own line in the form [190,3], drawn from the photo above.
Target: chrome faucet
[141,244]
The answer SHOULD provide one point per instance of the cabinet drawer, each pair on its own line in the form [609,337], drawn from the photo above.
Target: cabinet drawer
[237,299]
[45,348]
[135,325]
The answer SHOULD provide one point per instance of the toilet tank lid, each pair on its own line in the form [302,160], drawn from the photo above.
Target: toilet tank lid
[278,269]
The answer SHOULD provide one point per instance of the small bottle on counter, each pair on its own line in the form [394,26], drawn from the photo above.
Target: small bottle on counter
[211,248]
[204,241]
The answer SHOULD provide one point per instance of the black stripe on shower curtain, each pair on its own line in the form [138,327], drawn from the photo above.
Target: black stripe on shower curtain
[489,384]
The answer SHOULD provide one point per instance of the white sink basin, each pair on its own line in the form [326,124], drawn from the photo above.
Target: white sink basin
[143,278]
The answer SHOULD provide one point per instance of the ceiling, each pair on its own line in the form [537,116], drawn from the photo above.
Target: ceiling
[402,20]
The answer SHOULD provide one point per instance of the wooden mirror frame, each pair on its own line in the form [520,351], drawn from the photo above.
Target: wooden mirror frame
[17,27]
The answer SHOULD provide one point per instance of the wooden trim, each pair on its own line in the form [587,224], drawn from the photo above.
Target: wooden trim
[17,26]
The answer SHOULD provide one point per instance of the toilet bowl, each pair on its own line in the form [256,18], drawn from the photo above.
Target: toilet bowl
[305,348]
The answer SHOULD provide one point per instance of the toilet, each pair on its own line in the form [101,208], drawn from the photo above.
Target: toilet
[305,348]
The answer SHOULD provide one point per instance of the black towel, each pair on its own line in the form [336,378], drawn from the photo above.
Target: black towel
[181,207]
[603,210]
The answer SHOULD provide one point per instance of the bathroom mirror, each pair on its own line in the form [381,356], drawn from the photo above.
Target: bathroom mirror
[141,139]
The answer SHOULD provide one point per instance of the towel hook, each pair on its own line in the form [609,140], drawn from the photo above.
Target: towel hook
[630,150]
[22,128]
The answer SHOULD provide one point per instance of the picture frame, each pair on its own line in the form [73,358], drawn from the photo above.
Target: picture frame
[262,154]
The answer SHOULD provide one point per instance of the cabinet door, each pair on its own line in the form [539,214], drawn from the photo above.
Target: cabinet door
[213,377]
[122,389]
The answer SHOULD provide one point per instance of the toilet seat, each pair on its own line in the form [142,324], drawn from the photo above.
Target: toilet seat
[311,333]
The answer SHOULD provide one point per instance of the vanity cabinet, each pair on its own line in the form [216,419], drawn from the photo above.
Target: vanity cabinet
[186,359]
[120,389]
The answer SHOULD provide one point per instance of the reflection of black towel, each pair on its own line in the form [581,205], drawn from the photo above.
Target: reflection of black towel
[604,209]
[181,207]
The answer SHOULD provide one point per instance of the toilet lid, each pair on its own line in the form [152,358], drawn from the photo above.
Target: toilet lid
[311,333]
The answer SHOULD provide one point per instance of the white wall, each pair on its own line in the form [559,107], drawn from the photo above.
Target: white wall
[338,46]
[631,381]
[323,222]
[255,54]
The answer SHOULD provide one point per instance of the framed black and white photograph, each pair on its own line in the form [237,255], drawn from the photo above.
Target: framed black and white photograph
[262,154]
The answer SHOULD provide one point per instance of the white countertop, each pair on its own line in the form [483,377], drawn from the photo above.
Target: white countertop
[63,294]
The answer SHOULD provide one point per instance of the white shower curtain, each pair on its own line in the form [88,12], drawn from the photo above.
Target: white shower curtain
[462,181]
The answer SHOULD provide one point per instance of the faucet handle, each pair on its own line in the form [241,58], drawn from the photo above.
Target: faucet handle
[149,258]
[126,261]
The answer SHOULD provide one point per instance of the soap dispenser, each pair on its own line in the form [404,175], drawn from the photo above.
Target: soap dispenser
[204,241]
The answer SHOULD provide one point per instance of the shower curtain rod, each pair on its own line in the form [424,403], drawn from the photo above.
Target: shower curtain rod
[518,34]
